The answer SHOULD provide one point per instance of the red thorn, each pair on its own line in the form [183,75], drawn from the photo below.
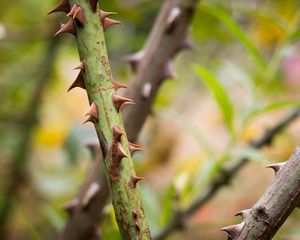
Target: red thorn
[107,22]
[77,83]
[243,213]
[72,11]
[134,147]
[120,153]
[92,111]
[146,92]
[233,231]
[77,14]
[93,4]
[117,85]
[134,59]
[137,226]
[80,66]
[134,180]
[63,6]
[117,133]
[68,27]
[120,102]
[135,214]
[89,119]
[104,14]
[93,189]
[276,167]
[71,206]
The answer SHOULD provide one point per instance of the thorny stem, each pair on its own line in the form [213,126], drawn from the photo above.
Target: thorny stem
[225,175]
[20,156]
[263,220]
[173,42]
[104,113]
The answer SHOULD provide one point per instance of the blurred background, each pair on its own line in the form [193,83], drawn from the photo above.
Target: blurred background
[240,79]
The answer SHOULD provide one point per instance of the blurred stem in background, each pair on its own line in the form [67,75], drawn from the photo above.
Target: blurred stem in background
[21,153]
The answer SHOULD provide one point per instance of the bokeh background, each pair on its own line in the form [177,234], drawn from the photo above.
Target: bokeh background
[241,78]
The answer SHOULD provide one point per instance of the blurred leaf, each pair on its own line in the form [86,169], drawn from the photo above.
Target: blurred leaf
[189,127]
[219,93]
[236,31]
[294,36]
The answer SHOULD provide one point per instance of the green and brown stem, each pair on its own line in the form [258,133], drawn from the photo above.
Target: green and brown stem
[104,113]
[263,220]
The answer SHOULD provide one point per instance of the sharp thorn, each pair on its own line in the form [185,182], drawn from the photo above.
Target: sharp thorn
[120,153]
[104,14]
[120,102]
[234,230]
[72,11]
[93,189]
[276,167]
[79,82]
[68,27]
[63,6]
[92,111]
[89,119]
[80,66]
[93,4]
[107,22]
[117,133]
[134,147]
[79,16]
[71,206]
[134,180]
[117,85]
[243,213]
[137,226]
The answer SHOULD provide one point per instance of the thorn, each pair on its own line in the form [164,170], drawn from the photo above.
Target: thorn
[104,14]
[92,111]
[233,231]
[93,189]
[146,92]
[71,206]
[80,66]
[120,102]
[89,119]
[169,71]
[77,83]
[120,153]
[134,59]
[72,11]
[243,213]
[137,226]
[77,14]
[93,4]
[134,147]
[117,85]
[135,214]
[134,180]
[276,167]
[68,27]
[173,16]
[107,22]
[63,6]
[117,133]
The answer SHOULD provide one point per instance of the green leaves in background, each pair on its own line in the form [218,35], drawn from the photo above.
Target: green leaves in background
[219,93]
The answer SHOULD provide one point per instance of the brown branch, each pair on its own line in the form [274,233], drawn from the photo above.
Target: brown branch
[263,220]
[167,38]
[226,174]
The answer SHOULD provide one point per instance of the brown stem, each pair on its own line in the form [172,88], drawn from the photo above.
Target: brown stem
[225,175]
[160,48]
[263,220]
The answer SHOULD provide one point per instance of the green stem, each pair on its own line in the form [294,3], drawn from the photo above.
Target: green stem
[109,125]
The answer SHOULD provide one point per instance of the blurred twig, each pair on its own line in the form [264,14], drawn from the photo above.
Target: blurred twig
[167,38]
[20,157]
[226,174]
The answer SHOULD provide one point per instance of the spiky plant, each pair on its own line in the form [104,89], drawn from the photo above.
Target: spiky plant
[88,23]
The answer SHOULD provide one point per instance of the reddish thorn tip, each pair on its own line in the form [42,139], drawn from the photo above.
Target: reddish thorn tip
[79,82]
[63,6]
[134,180]
[117,85]
[117,133]
[92,111]
[68,27]
[107,22]
[80,66]
[93,4]
[134,147]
